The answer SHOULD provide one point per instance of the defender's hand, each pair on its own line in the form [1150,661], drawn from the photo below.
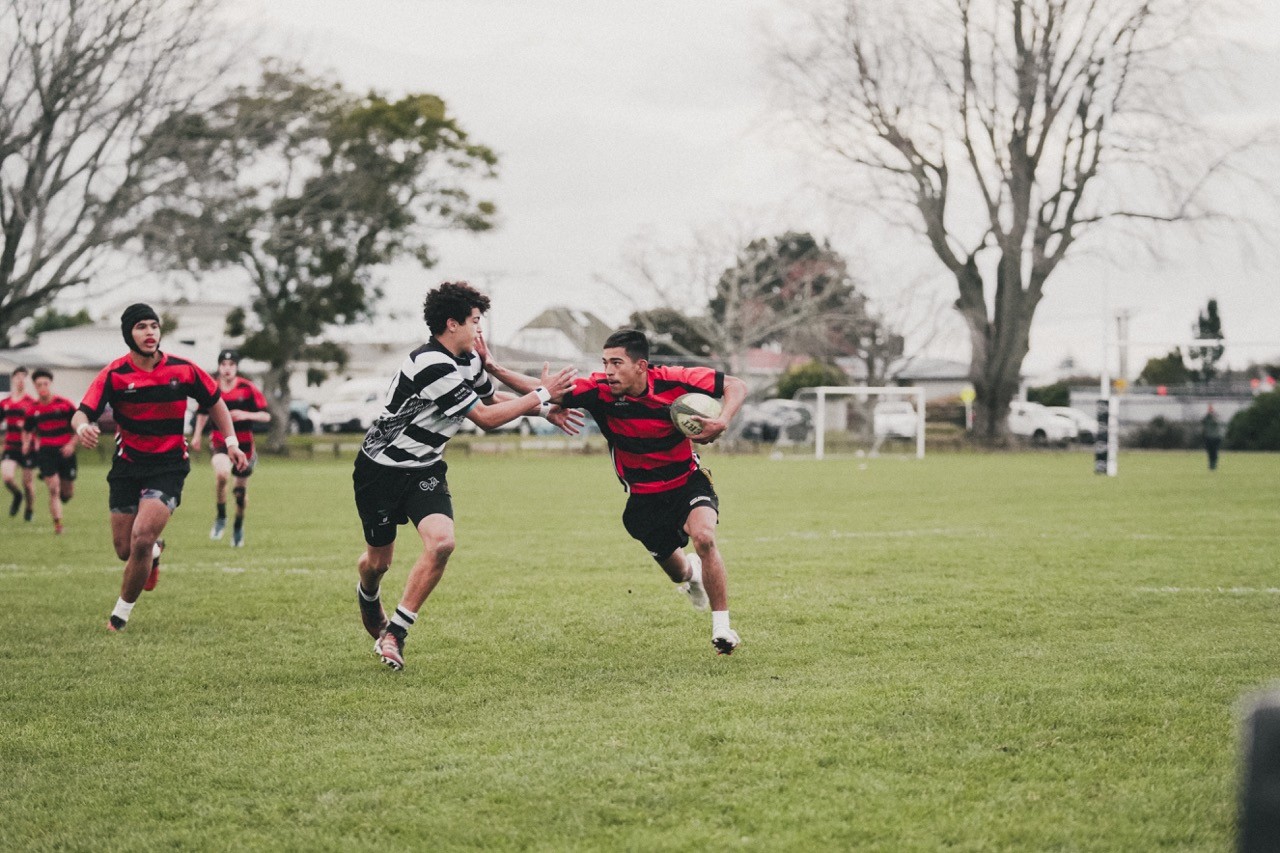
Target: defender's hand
[569,421]
[559,383]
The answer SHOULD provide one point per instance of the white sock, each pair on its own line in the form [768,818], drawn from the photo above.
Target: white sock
[695,567]
[123,609]
[719,621]
[404,617]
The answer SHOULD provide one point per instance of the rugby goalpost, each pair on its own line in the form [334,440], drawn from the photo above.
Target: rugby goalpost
[823,393]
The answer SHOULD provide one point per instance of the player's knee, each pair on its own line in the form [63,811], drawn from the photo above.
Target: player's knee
[239,492]
[441,546]
[703,538]
[122,550]
[141,544]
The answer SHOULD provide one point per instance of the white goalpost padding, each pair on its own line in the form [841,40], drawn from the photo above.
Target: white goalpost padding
[823,393]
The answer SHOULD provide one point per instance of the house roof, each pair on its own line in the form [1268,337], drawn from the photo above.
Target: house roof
[587,331]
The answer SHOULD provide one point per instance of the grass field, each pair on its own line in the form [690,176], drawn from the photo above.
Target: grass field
[966,653]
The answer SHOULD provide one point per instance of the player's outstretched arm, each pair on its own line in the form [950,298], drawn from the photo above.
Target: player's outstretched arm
[735,392]
[554,385]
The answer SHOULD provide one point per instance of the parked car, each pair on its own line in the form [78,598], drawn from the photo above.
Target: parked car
[304,418]
[1037,424]
[353,406]
[1086,426]
[894,419]
[769,420]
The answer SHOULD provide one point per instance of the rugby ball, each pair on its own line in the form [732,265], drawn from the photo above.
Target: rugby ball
[688,405]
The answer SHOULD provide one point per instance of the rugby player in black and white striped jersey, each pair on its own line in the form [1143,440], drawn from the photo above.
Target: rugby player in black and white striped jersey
[400,472]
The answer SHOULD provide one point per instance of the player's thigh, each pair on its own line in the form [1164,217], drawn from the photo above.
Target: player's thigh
[436,531]
[122,532]
[701,523]
[8,467]
[153,515]
[54,482]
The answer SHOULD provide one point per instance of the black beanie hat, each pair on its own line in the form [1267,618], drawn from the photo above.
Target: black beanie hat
[134,314]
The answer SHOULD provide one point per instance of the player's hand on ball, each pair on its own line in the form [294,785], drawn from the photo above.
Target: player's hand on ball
[711,430]
[569,421]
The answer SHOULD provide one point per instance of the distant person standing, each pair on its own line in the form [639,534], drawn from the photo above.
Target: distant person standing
[147,390]
[247,406]
[49,424]
[16,456]
[1212,437]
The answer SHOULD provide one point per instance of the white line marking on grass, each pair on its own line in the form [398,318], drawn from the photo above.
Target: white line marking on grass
[869,534]
[233,570]
[1210,590]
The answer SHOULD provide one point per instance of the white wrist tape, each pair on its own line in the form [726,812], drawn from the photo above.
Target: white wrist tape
[544,396]
[80,429]
[544,410]
[231,441]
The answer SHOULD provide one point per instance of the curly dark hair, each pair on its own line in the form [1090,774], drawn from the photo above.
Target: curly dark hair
[452,300]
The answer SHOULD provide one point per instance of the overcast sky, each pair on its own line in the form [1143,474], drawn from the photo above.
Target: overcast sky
[614,119]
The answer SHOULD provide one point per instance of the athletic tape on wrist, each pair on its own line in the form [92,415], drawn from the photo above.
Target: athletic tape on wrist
[544,396]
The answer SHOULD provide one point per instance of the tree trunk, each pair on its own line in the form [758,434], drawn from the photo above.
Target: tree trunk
[999,345]
[275,387]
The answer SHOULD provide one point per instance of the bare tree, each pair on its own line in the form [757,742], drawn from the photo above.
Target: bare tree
[1005,131]
[81,84]
[736,294]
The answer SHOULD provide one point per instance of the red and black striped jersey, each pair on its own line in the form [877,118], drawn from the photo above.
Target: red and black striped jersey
[244,396]
[51,421]
[14,412]
[649,453]
[150,406]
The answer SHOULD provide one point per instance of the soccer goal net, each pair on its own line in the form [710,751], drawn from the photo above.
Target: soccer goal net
[865,420]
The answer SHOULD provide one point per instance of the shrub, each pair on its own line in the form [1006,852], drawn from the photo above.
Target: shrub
[810,375]
[1258,426]
[1163,434]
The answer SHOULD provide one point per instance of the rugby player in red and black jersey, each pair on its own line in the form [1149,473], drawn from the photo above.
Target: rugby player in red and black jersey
[49,424]
[247,405]
[16,455]
[147,390]
[671,499]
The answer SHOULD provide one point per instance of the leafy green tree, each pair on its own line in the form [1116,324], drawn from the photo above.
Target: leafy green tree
[1057,394]
[51,319]
[810,375]
[1165,370]
[1204,360]
[1258,426]
[306,188]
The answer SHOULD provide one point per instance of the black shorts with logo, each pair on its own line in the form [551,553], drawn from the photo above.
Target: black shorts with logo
[128,483]
[387,497]
[24,460]
[657,520]
[52,463]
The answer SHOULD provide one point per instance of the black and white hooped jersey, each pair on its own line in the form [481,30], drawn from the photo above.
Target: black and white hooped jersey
[424,406]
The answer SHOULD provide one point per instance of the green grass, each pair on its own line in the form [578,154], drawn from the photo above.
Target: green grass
[966,653]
